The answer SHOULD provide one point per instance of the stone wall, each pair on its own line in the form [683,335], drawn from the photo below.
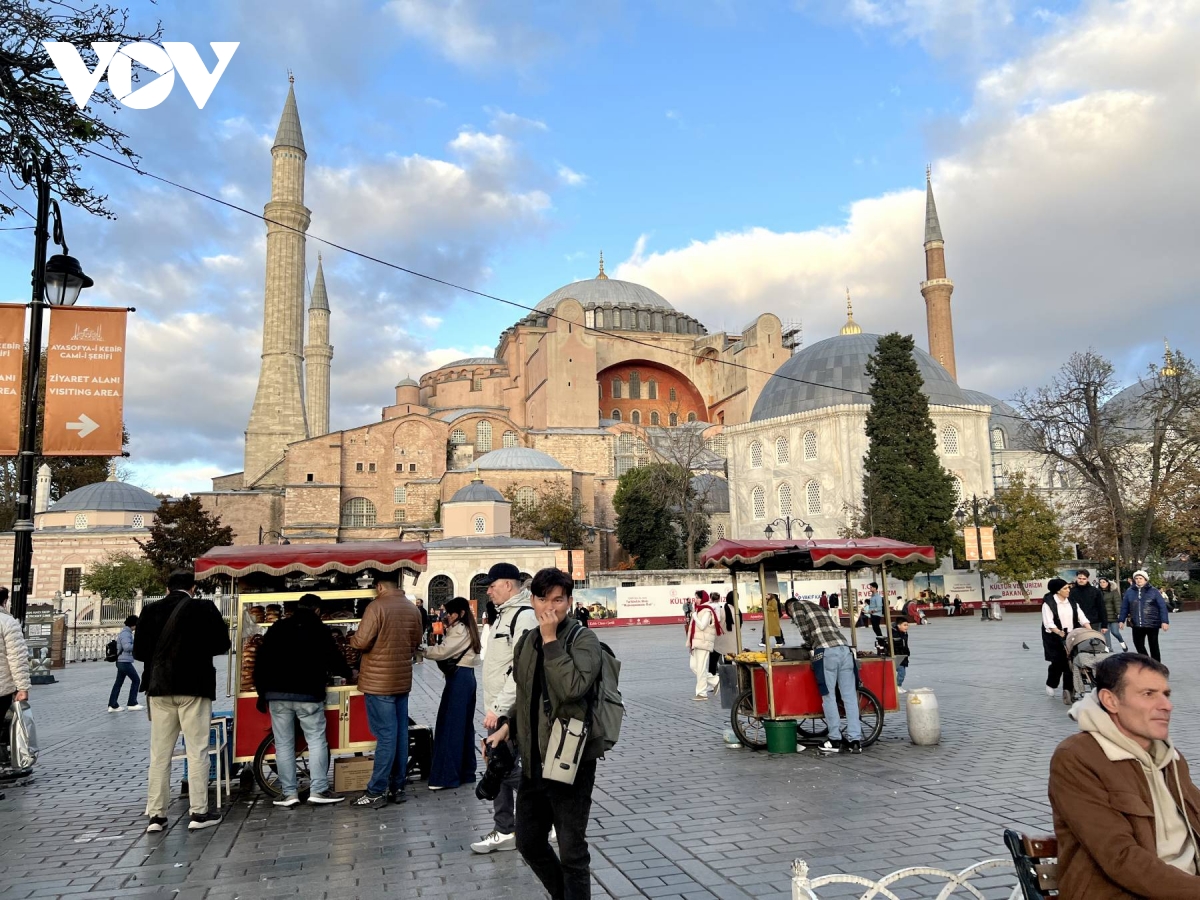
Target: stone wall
[246,511]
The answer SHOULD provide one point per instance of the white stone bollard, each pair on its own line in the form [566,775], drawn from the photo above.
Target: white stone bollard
[924,724]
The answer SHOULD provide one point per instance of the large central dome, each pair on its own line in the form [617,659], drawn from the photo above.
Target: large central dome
[833,372]
[606,292]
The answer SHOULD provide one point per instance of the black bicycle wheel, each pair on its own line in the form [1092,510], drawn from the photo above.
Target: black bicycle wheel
[266,774]
[746,724]
[870,715]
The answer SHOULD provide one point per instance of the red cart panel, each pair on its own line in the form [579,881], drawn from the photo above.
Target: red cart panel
[796,693]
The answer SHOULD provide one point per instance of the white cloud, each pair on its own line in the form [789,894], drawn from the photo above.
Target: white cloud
[492,149]
[570,177]
[1068,205]
[507,121]
[474,33]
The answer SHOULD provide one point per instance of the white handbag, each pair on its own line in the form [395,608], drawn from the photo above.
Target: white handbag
[563,753]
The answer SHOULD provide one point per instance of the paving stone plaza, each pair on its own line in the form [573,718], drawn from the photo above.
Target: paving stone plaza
[675,813]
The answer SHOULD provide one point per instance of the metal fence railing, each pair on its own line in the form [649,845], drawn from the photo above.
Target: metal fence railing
[950,883]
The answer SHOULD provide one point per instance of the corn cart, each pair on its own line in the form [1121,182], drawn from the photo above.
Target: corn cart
[779,684]
[266,581]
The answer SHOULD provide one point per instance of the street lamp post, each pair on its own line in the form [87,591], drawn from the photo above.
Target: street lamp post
[961,515]
[279,538]
[56,281]
[787,522]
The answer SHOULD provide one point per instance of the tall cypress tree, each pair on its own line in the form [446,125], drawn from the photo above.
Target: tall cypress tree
[907,495]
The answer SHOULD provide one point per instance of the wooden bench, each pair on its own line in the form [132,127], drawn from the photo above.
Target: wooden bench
[1036,862]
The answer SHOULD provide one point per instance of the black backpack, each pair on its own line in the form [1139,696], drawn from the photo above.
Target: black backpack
[111,652]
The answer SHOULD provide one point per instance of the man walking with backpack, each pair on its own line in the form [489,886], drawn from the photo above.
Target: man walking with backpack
[177,638]
[557,669]
[514,617]
[121,651]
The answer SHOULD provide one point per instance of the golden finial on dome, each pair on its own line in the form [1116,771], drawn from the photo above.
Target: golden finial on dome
[601,276]
[851,327]
[1168,370]
[291,77]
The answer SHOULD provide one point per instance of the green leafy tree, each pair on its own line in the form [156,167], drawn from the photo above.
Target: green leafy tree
[651,525]
[555,511]
[183,530]
[121,576]
[907,495]
[1029,542]
[37,112]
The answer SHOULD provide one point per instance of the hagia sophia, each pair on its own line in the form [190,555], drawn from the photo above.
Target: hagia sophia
[578,391]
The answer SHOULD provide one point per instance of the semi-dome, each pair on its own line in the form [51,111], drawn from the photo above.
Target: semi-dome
[518,458]
[107,496]
[477,492]
[1005,418]
[606,292]
[1134,406]
[833,372]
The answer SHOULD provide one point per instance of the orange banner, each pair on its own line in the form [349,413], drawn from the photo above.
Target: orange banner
[562,560]
[578,566]
[12,365]
[85,382]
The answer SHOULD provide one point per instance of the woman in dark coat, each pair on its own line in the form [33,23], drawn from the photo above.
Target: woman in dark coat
[454,734]
[1060,615]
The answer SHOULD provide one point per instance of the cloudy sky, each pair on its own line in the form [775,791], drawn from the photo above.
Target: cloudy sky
[736,157]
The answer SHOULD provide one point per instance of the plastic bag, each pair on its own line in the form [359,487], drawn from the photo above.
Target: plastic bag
[23,741]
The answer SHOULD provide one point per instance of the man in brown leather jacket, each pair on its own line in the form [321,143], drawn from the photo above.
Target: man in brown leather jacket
[389,634]
[1125,810]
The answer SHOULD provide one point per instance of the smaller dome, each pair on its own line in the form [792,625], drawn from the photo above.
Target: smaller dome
[473,361]
[406,382]
[477,492]
[517,458]
[107,496]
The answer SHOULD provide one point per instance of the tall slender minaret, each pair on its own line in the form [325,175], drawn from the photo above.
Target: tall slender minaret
[278,418]
[937,288]
[317,355]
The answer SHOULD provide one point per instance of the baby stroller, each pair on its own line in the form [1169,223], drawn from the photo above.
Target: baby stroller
[1085,648]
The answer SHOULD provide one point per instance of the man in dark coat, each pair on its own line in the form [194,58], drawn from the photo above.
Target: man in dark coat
[1090,599]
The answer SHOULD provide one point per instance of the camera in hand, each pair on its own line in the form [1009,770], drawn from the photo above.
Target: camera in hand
[500,762]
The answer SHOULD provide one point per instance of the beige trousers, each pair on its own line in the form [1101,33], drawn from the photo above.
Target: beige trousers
[168,717]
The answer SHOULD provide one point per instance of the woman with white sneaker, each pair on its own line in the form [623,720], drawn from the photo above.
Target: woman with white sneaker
[702,633]
[454,733]
[125,669]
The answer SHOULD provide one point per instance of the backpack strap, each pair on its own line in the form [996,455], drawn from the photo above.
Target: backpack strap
[512,625]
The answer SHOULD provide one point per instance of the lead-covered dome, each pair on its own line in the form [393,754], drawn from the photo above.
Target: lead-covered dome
[107,496]
[477,492]
[1005,419]
[833,372]
[517,458]
[606,292]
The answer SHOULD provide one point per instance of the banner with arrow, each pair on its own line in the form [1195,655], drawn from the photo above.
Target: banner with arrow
[12,365]
[85,382]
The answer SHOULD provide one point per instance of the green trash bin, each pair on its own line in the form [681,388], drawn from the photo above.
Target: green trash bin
[781,735]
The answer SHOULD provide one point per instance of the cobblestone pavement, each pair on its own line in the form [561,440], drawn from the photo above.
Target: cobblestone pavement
[675,813]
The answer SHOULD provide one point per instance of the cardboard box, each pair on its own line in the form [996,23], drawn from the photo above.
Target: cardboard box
[351,773]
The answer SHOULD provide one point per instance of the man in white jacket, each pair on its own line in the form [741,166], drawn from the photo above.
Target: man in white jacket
[701,638]
[14,665]
[514,617]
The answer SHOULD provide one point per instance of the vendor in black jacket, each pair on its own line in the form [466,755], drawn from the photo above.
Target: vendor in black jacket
[295,663]
[1090,599]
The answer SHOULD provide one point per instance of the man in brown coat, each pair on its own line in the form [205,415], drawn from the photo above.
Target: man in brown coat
[1125,810]
[389,634]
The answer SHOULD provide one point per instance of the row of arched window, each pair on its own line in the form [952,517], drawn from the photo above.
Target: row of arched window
[632,389]
[635,417]
[783,450]
[483,437]
[785,500]
[630,319]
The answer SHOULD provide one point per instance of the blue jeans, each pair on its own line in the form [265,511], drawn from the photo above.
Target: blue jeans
[901,671]
[839,671]
[125,670]
[1114,638]
[311,716]
[387,717]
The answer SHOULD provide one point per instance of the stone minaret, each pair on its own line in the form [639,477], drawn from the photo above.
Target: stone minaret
[277,418]
[317,355]
[937,288]
[41,495]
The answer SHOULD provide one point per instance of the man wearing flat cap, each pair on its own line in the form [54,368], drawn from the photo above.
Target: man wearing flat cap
[514,617]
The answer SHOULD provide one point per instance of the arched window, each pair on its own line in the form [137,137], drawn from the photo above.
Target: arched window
[139,521]
[810,445]
[652,389]
[479,586]
[673,419]
[616,415]
[480,524]
[812,496]
[758,499]
[599,318]
[959,491]
[635,417]
[440,589]
[358,512]
[483,436]
[526,496]
[691,417]
[671,395]
[785,499]
[782,452]
[80,521]
[756,455]
[950,440]
[720,532]
[616,388]
[458,436]
[718,445]
[654,417]
[997,438]
[510,439]
[635,386]
[625,443]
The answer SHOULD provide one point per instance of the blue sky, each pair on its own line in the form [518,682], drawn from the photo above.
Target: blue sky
[736,157]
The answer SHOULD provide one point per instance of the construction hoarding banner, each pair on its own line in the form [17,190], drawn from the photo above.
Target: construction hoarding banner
[85,382]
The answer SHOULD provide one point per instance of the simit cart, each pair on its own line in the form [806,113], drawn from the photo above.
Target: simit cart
[779,685]
[266,581]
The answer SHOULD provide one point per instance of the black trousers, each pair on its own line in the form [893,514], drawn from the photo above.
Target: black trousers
[1140,635]
[876,621]
[542,804]
[1060,665]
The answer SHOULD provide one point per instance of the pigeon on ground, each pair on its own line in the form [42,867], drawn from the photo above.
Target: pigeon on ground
[1024,646]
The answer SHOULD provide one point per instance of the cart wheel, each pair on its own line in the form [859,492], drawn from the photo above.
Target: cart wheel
[870,714]
[746,724]
[267,775]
